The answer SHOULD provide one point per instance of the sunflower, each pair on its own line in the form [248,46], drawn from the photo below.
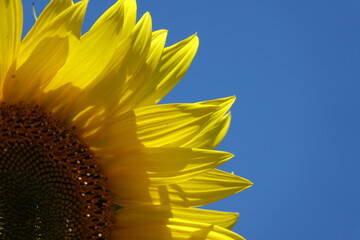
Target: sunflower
[85,150]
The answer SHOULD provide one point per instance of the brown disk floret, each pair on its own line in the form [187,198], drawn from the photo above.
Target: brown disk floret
[50,184]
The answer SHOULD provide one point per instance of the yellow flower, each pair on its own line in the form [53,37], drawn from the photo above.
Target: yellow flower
[85,152]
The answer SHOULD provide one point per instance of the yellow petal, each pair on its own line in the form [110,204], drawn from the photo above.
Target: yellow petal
[161,71]
[175,62]
[167,125]
[214,132]
[119,76]
[159,222]
[180,125]
[81,109]
[96,48]
[221,219]
[181,164]
[41,56]
[140,83]
[182,229]
[157,47]
[200,190]
[51,11]
[97,99]
[130,9]
[163,165]
[10,34]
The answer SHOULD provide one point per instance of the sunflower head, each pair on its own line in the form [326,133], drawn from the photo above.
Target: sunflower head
[50,183]
[86,151]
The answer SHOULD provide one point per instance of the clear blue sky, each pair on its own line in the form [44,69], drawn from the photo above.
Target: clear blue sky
[294,66]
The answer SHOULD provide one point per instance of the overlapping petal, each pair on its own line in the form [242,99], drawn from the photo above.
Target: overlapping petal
[165,165]
[51,12]
[10,33]
[97,97]
[96,48]
[201,190]
[175,62]
[199,125]
[43,54]
[161,222]
[149,169]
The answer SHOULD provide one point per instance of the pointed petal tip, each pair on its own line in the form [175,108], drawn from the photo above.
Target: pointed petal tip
[145,19]
[228,155]
[147,15]
[160,32]
[195,37]
[86,2]
[247,183]
[250,183]
[223,102]
[230,100]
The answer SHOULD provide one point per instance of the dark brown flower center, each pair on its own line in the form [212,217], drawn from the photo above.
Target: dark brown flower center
[50,185]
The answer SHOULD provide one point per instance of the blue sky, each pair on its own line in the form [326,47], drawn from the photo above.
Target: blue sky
[294,67]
